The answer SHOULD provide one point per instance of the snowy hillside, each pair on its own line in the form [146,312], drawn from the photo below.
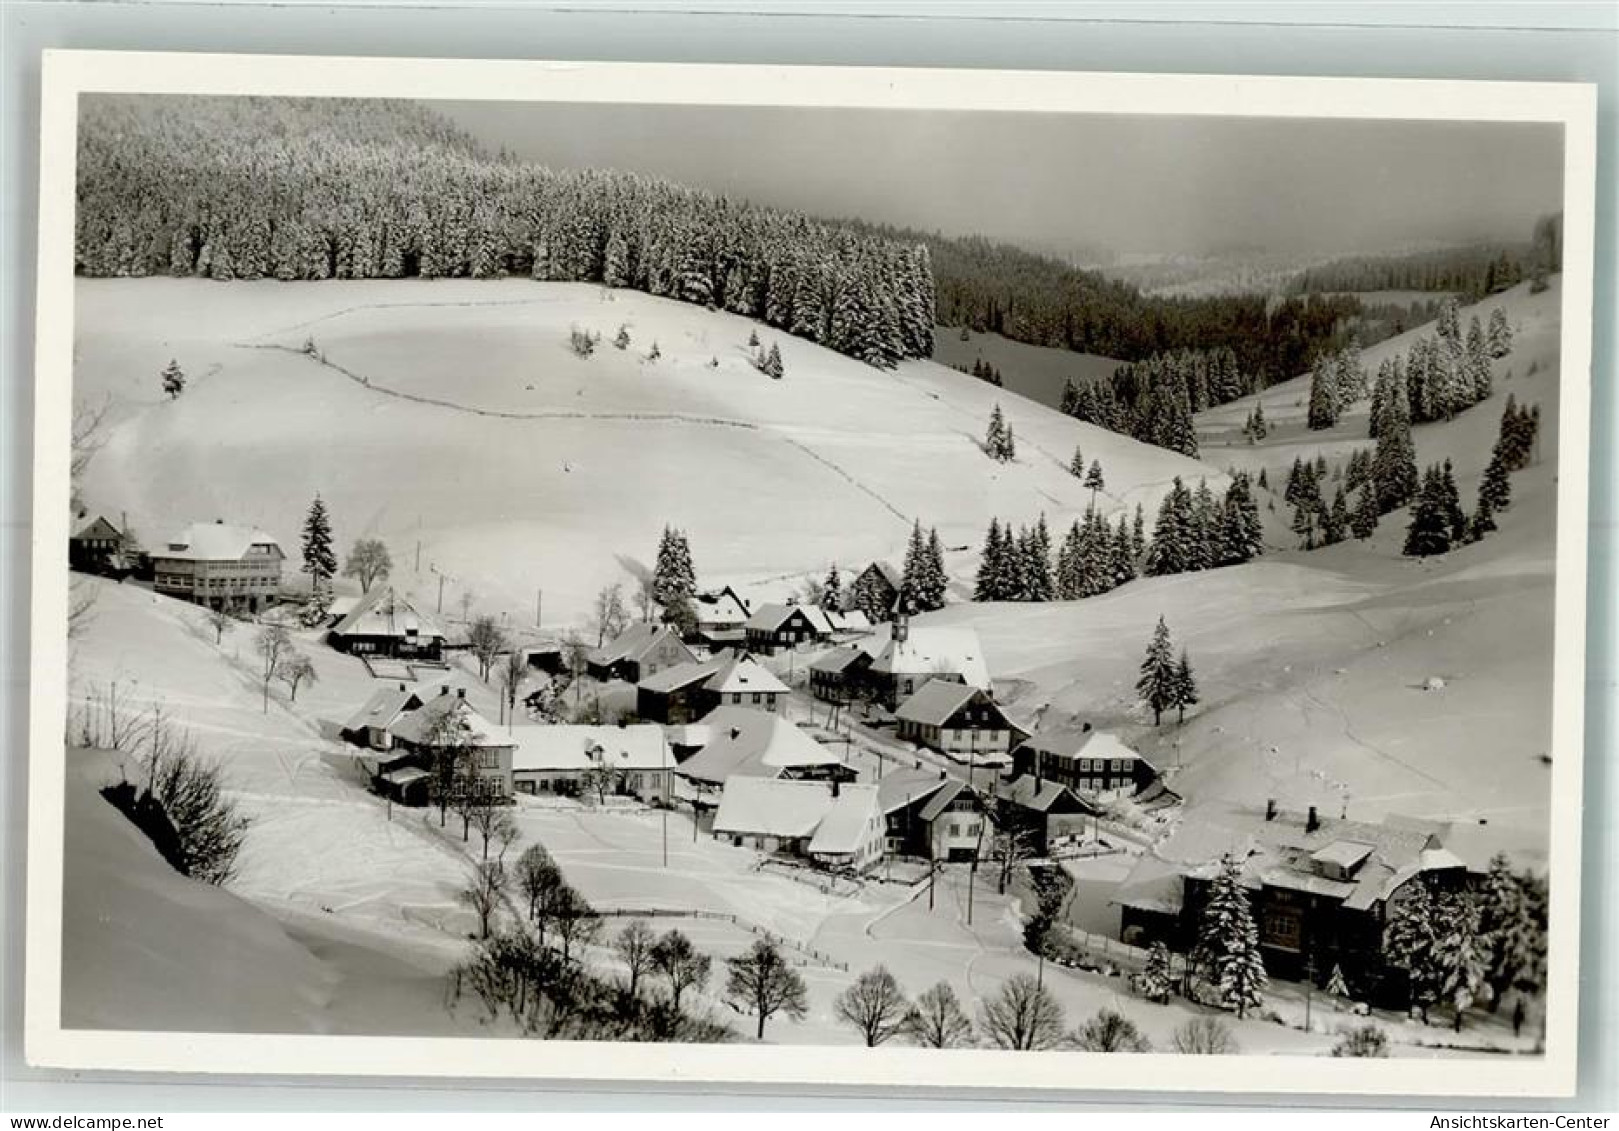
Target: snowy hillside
[1313,665]
[454,413]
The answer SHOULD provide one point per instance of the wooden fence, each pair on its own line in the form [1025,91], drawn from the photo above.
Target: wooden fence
[821,958]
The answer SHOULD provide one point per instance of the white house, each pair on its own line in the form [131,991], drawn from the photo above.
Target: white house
[557,759]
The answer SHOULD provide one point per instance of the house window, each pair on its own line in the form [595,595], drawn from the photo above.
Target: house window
[1118,765]
[1281,927]
[757,698]
[488,760]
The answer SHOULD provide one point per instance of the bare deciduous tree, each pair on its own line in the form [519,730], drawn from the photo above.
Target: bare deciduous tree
[296,669]
[484,891]
[1024,1016]
[513,670]
[682,966]
[1111,1031]
[577,923]
[609,614]
[487,643]
[634,945]
[537,875]
[875,1006]
[369,561]
[763,984]
[221,619]
[937,1021]
[208,829]
[273,644]
[1207,1036]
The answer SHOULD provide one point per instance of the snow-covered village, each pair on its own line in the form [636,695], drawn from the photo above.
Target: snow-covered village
[538,590]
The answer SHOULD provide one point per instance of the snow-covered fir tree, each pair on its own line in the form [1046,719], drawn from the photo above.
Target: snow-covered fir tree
[320,560]
[1363,519]
[1499,334]
[673,574]
[1156,982]
[998,441]
[1408,941]
[1323,410]
[621,340]
[1394,463]
[1171,549]
[1094,480]
[1185,686]
[832,589]
[1429,531]
[1336,985]
[1158,684]
[1460,952]
[174,379]
[1228,943]
[1076,466]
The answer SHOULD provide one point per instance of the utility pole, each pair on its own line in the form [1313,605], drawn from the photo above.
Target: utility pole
[440,591]
[418,555]
[539,595]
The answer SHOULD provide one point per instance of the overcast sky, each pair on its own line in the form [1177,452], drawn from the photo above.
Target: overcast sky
[1131,183]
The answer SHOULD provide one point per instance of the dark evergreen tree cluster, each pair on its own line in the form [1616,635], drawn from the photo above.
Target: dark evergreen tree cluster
[1095,557]
[1447,372]
[1438,522]
[999,443]
[923,586]
[993,287]
[1520,428]
[984,371]
[1166,683]
[1472,272]
[1015,565]
[1460,947]
[1195,532]
[249,188]
[1151,401]
[1394,460]
[1337,380]
[1254,427]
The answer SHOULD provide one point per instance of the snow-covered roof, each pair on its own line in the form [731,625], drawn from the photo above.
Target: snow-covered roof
[902,787]
[744,675]
[417,725]
[383,612]
[631,644]
[837,660]
[217,542]
[97,527]
[1041,796]
[750,743]
[850,620]
[768,618]
[720,607]
[383,708]
[931,649]
[686,674]
[935,702]
[848,823]
[943,799]
[769,807]
[886,571]
[1372,859]
[564,747]
[1070,744]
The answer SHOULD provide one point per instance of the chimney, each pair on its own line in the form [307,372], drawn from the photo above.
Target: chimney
[1270,809]
[1312,822]
[460,693]
[836,787]
[736,732]
[401,686]
[902,628]
[443,689]
[1086,729]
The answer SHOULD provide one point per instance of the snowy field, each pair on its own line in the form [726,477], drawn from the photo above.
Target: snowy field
[528,468]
